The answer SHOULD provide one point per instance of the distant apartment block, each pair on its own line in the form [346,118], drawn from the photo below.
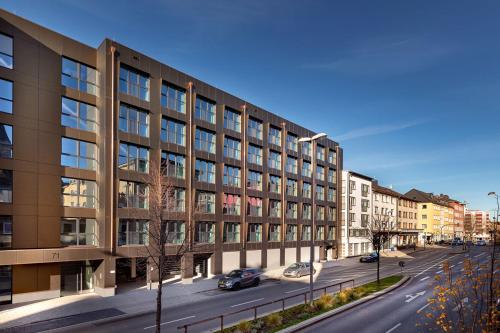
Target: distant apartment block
[476,224]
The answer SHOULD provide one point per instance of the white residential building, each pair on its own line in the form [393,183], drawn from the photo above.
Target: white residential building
[385,207]
[356,214]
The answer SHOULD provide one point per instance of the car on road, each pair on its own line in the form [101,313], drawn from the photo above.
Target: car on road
[298,269]
[457,242]
[481,242]
[372,257]
[240,278]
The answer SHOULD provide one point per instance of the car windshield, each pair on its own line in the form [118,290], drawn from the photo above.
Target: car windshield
[294,266]
[373,254]
[234,274]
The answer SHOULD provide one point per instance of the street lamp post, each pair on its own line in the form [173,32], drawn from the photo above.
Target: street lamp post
[313,140]
[492,268]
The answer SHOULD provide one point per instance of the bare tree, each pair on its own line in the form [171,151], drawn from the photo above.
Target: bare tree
[162,200]
[380,231]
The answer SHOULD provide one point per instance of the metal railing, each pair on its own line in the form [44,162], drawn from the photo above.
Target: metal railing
[256,307]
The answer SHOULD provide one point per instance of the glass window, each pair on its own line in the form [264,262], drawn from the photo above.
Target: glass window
[254,232]
[274,136]
[332,157]
[173,98]
[232,120]
[255,128]
[79,115]
[274,208]
[320,232]
[5,237]
[133,195]
[291,165]
[80,77]
[231,204]
[6,51]
[133,120]
[6,96]
[332,176]
[274,160]
[176,232]
[205,141]
[173,131]
[274,184]
[320,153]
[232,148]
[254,206]
[306,149]
[306,169]
[173,165]
[231,232]
[291,210]
[133,232]
[306,211]
[306,233]
[292,142]
[205,232]
[291,232]
[5,186]
[331,233]
[205,202]
[204,171]
[78,231]
[78,193]
[205,110]
[6,283]
[254,180]
[254,154]
[320,213]
[134,83]
[133,158]
[232,176]
[176,200]
[320,172]
[274,232]
[320,192]
[306,190]
[78,154]
[6,143]
[331,194]
[291,187]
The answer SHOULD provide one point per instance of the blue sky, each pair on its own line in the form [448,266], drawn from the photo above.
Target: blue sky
[411,90]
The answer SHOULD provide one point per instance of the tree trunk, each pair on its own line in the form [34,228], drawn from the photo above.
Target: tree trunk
[378,266]
[159,292]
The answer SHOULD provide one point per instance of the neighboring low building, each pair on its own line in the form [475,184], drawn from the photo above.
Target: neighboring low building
[385,208]
[407,221]
[476,224]
[435,216]
[458,217]
[356,213]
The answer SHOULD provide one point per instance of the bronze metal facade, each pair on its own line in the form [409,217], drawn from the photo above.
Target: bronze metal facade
[36,208]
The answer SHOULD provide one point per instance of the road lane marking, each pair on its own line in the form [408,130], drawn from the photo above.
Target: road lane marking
[480,254]
[439,272]
[255,300]
[452,266]
[461,262]
[392,329]
[410,298]
[422,308]
[425,270]
[169,322]
[292,291]
[424,278]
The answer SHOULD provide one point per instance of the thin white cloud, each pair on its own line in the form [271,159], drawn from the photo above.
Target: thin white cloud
[378,129]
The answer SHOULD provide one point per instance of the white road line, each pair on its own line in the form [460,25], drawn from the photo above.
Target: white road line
[461,262]
[439,272]
[452,266]
[392,329]
[478,255]
[292,291]
[426,305]
[424,278]
[169,322]
[425,270]
[255,300]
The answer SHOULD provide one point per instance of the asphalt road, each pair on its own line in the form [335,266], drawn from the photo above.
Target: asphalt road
[402,309]
[423,264]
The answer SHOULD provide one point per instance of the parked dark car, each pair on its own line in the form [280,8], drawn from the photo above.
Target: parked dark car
[240,278]
[372,257]
[298,269]
[481,242]
[457,242]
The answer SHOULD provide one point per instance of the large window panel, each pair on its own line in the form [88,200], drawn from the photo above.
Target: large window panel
[133,158]
[5,186]
[6,93]
[133,120]
[78,232]
[231,204]
[5,233]
[133,195]
[204,171]
[174,165]
[134,83]
[205,110]
[205,232]
[232,120]
[173,98]
[6,143]
[6,51]
[205,202]
[133,232]
[78,154]
[204,141]
[232,176]
[78,193]
[79,76]
[173,131]
[232,148]
[79,115]
[176,232]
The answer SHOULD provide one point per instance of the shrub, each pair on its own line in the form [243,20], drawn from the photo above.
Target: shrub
[244,326]
[273,320]
[345,295]
[324,302]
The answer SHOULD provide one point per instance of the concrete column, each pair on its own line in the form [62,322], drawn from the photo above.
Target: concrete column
[105,277]
[133,268]
[187,268]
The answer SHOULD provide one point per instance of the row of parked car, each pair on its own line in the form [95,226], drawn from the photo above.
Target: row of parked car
[458,242]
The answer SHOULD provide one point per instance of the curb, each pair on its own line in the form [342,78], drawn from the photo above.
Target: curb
[314,320]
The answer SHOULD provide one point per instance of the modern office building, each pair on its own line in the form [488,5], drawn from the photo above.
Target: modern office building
[356,214]
[80,127]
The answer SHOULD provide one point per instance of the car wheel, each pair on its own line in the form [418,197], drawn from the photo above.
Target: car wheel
[236,286]
[256,282]
[299,275]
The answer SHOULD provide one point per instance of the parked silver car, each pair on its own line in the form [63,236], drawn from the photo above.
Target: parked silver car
[298,269]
